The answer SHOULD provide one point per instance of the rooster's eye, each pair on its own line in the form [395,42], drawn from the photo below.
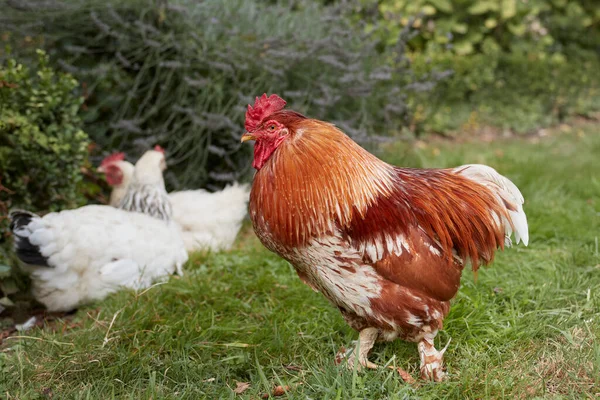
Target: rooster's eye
[271,127]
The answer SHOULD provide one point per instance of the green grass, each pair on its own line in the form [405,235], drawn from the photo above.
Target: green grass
[528,327]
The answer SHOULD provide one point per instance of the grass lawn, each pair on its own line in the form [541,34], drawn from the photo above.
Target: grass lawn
[528,327]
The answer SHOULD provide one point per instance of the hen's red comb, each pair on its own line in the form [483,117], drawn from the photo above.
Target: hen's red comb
[112,158]
[263,107]
[158,148]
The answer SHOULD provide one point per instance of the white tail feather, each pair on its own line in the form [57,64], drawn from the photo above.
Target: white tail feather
[507,192]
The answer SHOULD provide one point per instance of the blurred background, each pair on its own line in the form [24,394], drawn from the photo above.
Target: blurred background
[99,76]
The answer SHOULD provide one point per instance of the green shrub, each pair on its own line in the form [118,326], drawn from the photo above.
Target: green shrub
[511,91]
[180,74]
[464,26]
[517,65]
[42,145]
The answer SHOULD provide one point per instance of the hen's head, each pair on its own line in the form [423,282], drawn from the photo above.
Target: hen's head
[117,171]
[149,168]
[270,125]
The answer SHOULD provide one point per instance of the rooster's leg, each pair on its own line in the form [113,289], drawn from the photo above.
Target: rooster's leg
[432,361]
[366,340]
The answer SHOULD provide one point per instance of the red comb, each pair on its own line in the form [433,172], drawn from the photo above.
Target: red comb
[158,148]
[112,158]
[263,107]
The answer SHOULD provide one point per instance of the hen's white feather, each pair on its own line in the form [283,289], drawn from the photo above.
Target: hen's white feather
[146,192]
[506,192]
[208,221]
[96,250]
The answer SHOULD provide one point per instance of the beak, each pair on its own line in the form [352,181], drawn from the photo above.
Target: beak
[101,170]
[247,136]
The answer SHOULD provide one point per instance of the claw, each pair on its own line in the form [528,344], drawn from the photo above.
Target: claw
[442,351]
[362,363]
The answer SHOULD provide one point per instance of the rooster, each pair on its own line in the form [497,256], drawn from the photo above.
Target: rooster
[386,245]
[79,256]
[208,221]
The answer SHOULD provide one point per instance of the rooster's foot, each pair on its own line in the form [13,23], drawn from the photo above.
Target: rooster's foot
[432,361]
[366,340]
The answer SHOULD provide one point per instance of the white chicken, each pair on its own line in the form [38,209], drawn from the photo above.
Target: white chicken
[208,221]
[78,256]
[118,174]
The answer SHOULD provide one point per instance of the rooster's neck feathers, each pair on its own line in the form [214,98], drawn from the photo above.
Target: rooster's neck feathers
[316,179]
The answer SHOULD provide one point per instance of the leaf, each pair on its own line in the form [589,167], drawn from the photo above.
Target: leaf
[463,48]
[517,29]
[4,271]
[460,28]
[442,39]
[443,5]
[406,377]
[509,9]
[481,7]
[241,387]
[491,23]
[5,301]
[9,286]
[429,10]
[277,391]
[280,390]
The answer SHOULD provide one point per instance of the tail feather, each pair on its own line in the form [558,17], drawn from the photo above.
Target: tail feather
[507,192]
[25,250]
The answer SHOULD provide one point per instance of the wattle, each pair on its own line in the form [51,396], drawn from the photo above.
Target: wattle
[263,151]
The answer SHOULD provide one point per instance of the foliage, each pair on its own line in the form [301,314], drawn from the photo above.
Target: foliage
[180,74]
[509,91]
[466,27]
[528,328]
[42,146]
[518,65]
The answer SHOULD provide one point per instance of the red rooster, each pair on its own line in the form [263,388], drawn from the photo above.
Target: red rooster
[386,245]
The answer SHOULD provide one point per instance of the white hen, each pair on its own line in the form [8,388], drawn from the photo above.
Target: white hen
[118,174]
[78,256]
[208,221]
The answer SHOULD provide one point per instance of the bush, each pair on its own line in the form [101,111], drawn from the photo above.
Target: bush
[180,74]
[511,91]
[518,65]
[465,27]
[42,146]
